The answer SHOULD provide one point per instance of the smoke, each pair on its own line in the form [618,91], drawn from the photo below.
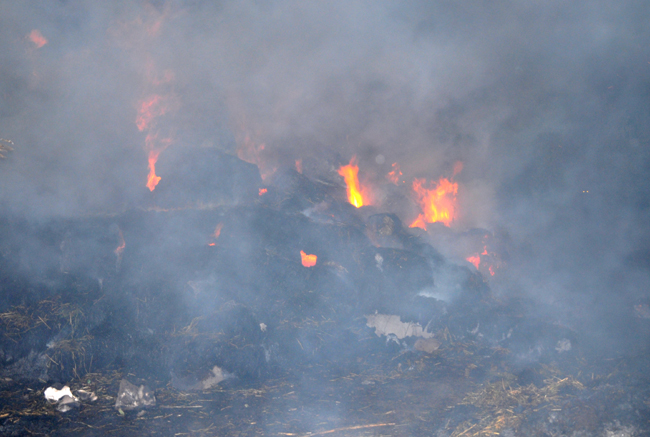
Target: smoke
[545,103]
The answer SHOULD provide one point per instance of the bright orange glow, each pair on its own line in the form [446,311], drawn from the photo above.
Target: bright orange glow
[438,202]
[152,179]
[395,174]
[37,38]
[350,173]
[217,230]
[299,165]
[308,260]
[212,244]
[263,191]
[474,259]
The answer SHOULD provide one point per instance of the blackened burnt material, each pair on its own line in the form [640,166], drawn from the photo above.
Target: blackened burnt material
[193,177]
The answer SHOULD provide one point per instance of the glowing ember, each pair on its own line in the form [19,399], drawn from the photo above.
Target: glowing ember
[491,270]
[299,165]
[395,174]
[308,260]
[152,179]
[474,259]
[438,202]
[217,230]
[37,38]
[350,173]
[263,191]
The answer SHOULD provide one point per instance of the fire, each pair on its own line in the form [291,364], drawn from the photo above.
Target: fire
[485,258]
[438,202]
[217,231]
[263,191]
[355,191]
[474,259]
[308,260]
[152,179]
[299,165]
[37,38]
[150,109]
[395,174]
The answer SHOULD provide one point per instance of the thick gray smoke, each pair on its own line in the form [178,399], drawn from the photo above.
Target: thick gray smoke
[545,103]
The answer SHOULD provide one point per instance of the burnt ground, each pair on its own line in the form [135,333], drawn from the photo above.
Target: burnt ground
[181,298]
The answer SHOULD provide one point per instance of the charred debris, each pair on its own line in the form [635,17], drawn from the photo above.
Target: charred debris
[200,293]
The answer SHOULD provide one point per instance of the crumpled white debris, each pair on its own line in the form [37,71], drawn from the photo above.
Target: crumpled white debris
[392,325]
[63,398]
[53,395]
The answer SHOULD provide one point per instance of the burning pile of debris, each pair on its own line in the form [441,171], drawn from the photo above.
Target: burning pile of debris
[270,294]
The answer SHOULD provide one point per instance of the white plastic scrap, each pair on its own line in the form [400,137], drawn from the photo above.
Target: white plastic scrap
[53,395]
[64,398]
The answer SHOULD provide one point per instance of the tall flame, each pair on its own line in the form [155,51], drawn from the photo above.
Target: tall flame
[152,179]
[438,202]
[150,109]
[350,173]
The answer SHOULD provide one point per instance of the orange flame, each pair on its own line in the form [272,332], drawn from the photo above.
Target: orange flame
[474,259]
[263,191]
[37,38]
[150,109]
[308,260]
[350,173]
[299,165]
[217,230]
[152,179]
[438,203]
[395,174]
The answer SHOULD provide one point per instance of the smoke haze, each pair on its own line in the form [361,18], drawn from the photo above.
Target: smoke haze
[545,103]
